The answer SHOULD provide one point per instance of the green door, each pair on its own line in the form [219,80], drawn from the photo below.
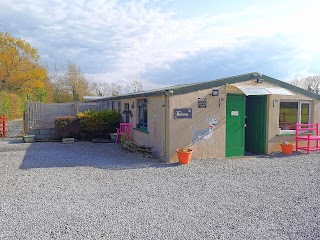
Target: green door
[256,121]
[235,115]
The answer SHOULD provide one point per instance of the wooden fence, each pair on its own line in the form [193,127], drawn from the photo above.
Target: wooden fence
[42,115]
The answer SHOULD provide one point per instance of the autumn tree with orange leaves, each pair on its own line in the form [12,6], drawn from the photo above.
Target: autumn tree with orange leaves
[21,74]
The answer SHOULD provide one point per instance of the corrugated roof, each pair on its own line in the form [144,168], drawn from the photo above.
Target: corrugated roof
[186,88]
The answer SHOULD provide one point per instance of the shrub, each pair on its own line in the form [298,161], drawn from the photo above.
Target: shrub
[67,126]
[5,104]
[11,105]
[98,123]
[123,138]
[16,106]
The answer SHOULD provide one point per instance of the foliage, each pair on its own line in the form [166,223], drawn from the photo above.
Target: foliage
[69,83]
[287,143]
[20,70]
[135,87]
[311,83]
[67,126]
[184,150]
[98,123]
[123,138]
[5,104]
[21,76]
[105,89]
[17,106]
[111,89]
[11,105]
[76,81]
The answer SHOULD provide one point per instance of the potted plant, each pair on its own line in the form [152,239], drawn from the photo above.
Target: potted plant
[113,136]
[123,138]
[28,138]
[287,147]
[184,155]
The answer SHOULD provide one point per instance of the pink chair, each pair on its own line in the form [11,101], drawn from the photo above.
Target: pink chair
[308,133]
[124,128]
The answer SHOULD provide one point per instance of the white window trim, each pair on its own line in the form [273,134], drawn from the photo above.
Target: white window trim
[299,114]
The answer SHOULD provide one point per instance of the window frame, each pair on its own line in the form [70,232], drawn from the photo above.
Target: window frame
[142,123]
[283,131]
[126,110]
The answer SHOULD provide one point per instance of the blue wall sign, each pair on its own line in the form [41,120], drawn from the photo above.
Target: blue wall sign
[182,113]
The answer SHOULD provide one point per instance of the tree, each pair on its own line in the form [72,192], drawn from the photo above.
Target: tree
[134,87]
[61,92]
[69,83]
[76,82]
[105,89]
[20,70]
[311,83]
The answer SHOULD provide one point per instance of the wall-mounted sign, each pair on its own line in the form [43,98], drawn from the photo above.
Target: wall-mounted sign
[182,113]
[202,102]
[235,113]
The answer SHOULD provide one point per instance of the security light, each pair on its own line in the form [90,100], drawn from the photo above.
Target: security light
[215,92]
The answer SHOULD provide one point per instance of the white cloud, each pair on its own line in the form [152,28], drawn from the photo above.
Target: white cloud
[114,40]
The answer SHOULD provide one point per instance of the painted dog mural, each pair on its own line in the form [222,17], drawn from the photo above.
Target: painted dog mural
[206,133]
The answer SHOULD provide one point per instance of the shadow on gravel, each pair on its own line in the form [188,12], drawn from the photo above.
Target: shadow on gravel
[86,154]
[16,141]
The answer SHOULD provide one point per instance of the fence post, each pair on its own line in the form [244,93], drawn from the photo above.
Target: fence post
[3,126]
[24,123]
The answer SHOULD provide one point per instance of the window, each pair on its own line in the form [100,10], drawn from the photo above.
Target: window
[126,111]
[142,113]
[292,113]
[119,106]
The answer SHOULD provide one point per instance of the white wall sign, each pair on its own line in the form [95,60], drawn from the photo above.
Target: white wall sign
[235,113]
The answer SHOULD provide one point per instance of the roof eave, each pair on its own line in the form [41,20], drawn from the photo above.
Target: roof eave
[183,89]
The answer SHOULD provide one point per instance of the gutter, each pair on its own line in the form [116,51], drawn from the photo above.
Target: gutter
[165,123]
[164,129]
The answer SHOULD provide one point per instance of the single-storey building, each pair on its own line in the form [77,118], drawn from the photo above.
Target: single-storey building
[228,117]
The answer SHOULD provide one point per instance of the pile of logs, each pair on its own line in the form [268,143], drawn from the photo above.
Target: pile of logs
[137,148]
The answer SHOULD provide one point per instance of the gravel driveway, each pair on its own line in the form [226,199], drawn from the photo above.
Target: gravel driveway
[100,191]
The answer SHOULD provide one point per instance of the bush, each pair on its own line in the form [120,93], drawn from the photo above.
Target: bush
[67,126]
[5,104]
[11,105]
[98,123]
[17,106]
[88,125]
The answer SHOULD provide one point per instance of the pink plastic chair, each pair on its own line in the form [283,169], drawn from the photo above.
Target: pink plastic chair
[124,128]
[308,133]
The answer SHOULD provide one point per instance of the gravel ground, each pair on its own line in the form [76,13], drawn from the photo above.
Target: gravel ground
[100,191]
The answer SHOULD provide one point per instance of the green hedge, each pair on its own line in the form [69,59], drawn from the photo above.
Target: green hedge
[67,126]
[88,125]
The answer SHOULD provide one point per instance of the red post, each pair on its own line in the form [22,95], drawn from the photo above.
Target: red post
[3,126]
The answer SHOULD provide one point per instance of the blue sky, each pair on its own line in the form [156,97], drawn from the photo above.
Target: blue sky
[170,42]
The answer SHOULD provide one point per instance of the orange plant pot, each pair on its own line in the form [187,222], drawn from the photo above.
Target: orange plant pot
[286,149]
[184,157]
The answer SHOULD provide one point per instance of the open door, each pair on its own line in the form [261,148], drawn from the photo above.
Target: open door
[235,125]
